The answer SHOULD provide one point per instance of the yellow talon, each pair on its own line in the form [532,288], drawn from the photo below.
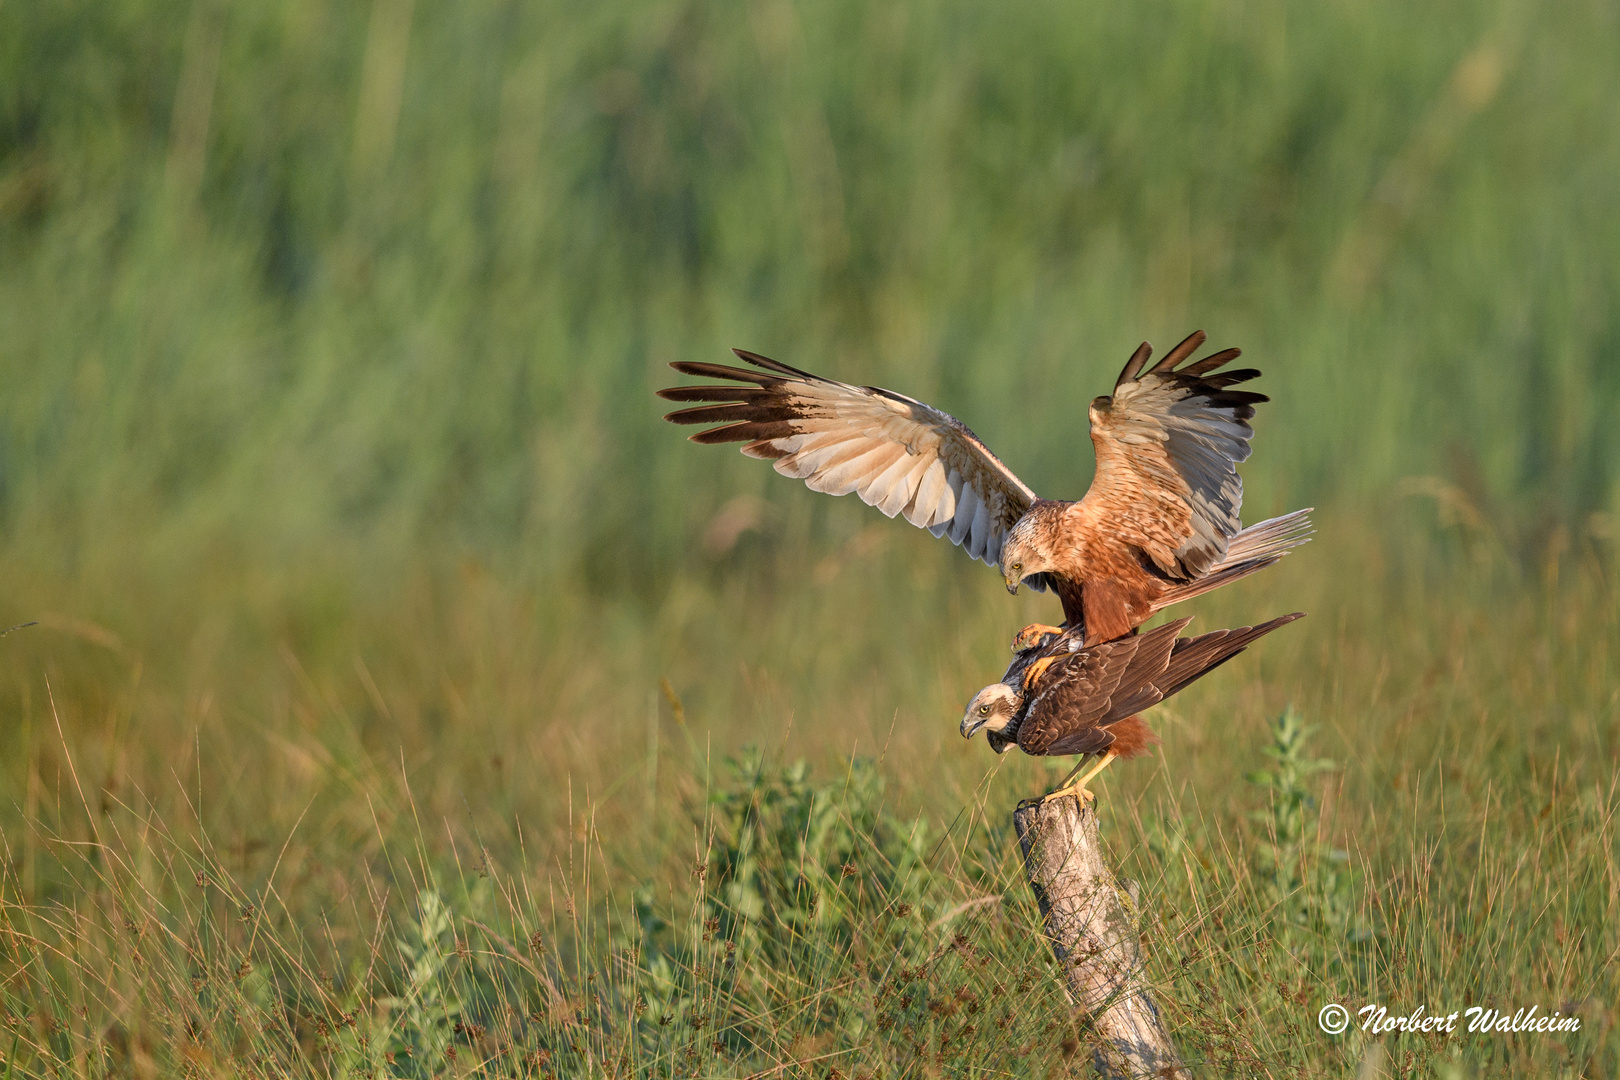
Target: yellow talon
[1079,786]
[1030,636]
[1085,795]
[1037,669]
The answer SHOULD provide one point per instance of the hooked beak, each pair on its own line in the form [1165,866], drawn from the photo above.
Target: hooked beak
[971,723]
[1012,583]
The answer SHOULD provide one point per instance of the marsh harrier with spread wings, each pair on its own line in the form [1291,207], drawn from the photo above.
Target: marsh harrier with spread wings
[1158,525]
[1061,697]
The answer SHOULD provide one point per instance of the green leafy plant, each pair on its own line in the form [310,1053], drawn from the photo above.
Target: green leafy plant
[795,872]
[1310,883]
[785,850]
[429,1003]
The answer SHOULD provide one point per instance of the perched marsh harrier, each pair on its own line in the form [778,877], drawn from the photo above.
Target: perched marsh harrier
[1159,524]
[1062,698]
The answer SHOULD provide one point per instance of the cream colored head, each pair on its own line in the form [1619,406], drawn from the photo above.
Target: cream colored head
[1027,551]
[992,708]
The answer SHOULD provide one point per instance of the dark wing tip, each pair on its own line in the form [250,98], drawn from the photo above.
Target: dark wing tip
[701,370]
[768,364]
[748,431]
[1133,366]
[1226,378]
[1250,634]
[712,392]
[685,416]
[714,414]
[1213,361]
[1188,346]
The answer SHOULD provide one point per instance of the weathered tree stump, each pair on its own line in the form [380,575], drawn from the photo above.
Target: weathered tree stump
[1094,938]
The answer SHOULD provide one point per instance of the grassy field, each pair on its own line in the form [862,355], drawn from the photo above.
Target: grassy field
[407,699]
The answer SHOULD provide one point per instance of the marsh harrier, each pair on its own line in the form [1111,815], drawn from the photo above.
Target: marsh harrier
[1060,698]
[1158,525]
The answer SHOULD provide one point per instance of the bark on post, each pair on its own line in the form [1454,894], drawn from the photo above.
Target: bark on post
[1094,938]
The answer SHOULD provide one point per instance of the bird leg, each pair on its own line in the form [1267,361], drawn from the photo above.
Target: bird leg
[1037,669]
[1030,636]
[1079,786]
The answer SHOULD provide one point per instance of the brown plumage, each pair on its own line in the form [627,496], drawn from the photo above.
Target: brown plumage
[1159,523]
[1062,698]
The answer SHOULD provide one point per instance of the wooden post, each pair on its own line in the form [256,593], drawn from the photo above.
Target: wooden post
[1094,938]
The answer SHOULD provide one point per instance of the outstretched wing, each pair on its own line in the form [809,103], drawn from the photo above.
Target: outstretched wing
[1168,442]
[897,454]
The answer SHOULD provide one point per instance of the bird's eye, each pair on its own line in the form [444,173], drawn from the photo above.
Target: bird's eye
[984,710]
[1018,566]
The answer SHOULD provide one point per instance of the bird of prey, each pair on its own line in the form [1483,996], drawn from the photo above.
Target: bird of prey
[1062,697]
[1158,525]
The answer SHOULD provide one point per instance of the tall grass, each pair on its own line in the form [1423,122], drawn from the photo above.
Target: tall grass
[330,468]
[803,926]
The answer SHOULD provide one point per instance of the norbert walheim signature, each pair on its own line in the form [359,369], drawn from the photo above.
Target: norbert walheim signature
[1376,1020]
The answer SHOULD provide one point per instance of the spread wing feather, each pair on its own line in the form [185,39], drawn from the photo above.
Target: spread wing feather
[1168,442]
[896,453]
[1078,698]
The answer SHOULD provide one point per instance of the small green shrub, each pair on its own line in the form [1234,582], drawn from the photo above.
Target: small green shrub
[1310,884]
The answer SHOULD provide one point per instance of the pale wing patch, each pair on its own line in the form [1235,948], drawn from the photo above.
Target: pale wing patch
[897,454]
[934,501]
[1168,443]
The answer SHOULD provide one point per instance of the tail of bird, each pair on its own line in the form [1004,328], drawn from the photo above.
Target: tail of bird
[1255,548]
[1276,536]
[1183,662]
[1193,658]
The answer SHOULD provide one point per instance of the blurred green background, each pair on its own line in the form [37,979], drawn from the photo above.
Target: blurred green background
[329,334]
[331,470]
[329,331]
[307,282]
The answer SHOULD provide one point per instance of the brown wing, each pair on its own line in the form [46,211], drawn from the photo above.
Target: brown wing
[1072,711]
[1194,658]
[897,454]
[1071,705]
[1168,442]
